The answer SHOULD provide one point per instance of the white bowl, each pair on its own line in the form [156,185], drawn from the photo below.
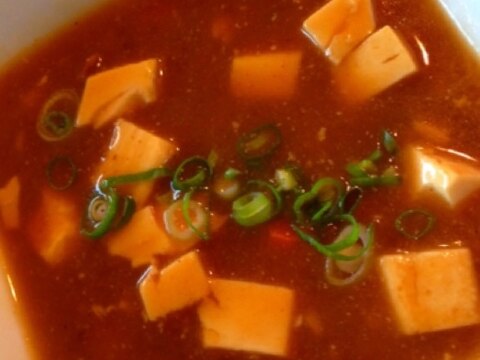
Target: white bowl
[26,21]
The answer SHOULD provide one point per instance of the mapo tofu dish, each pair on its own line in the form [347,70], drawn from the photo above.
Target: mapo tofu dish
[293,179]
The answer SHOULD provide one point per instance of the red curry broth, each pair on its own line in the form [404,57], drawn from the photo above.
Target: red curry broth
[89,308]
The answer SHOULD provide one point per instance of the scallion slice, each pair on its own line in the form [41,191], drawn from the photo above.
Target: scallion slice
[343,273]
[324,191]
[61,173]
[176,222]
[258,144]
[100,228]
[334,250]
[415,223]
[148,175]
[56,120]
[186,205]
[252,209]
[389,142]
[202,172]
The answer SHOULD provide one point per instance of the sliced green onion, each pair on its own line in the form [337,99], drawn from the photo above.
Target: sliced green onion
[186,204]
[61,173]
[375,155]
[258,144]
[227,189]
[355,268]
[200,177]
[231,173]
[148,175]
[362,168]
[285,179]
[252,209]
[55,126]
[389,142]
[129,207]
[176,224]
[97,208]
[415,223]
[56,120]
[260,184]
[320,193]
[334,250]
[101,227]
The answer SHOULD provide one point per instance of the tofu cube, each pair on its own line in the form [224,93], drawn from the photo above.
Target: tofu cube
[9,204]
[265,76]
[339,26]
[380,62]
[247,316]
[432,290]
[143,237]
[452,177]
[55,228]
[134,150]
[116,92]
[181,284]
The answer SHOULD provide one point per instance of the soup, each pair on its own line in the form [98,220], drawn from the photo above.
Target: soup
[247,180]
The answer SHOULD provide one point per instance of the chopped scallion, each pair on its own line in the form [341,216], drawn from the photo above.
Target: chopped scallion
[415,223]
[201,173]
[148,175]
[61,173]
[258,144]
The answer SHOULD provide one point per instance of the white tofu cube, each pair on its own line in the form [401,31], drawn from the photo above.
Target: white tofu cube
[452,177]
[115,92]
[247,316]
[272,76]
[339,26]
[132,150]
[181,284]
[432,290]
[380,62]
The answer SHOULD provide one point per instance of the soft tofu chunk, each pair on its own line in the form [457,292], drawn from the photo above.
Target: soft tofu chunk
[265,76]
[247,316]
[339,26]
[380,62]
[113,93]
[452,177]
[181,284]
[143,237]
[9,203]
[432,290]
[55,227]
[134,150]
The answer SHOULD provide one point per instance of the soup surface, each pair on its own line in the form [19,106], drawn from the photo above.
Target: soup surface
[263,109]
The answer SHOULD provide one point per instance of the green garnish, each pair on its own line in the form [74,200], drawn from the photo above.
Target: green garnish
[61,173]
[415,223]
[252,209]
[202,171]
[148,175]
[258,144]
[285,179]
[101,227]
[326,193]
[188,220]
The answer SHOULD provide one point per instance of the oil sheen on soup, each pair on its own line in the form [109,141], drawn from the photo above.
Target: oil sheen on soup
[245,180]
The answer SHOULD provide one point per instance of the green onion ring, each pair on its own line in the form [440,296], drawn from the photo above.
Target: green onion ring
[258,144]
[314,193]
[128,209]
[199,179]
[56,120]
[148,175]
[52,166]
[170,220]
[186,215]
[366,237]
[357,194]
[103,226]
[252,209]
[429,223]
[97,208]
[374,181]
[260,184]
[232,173]
[332,250]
